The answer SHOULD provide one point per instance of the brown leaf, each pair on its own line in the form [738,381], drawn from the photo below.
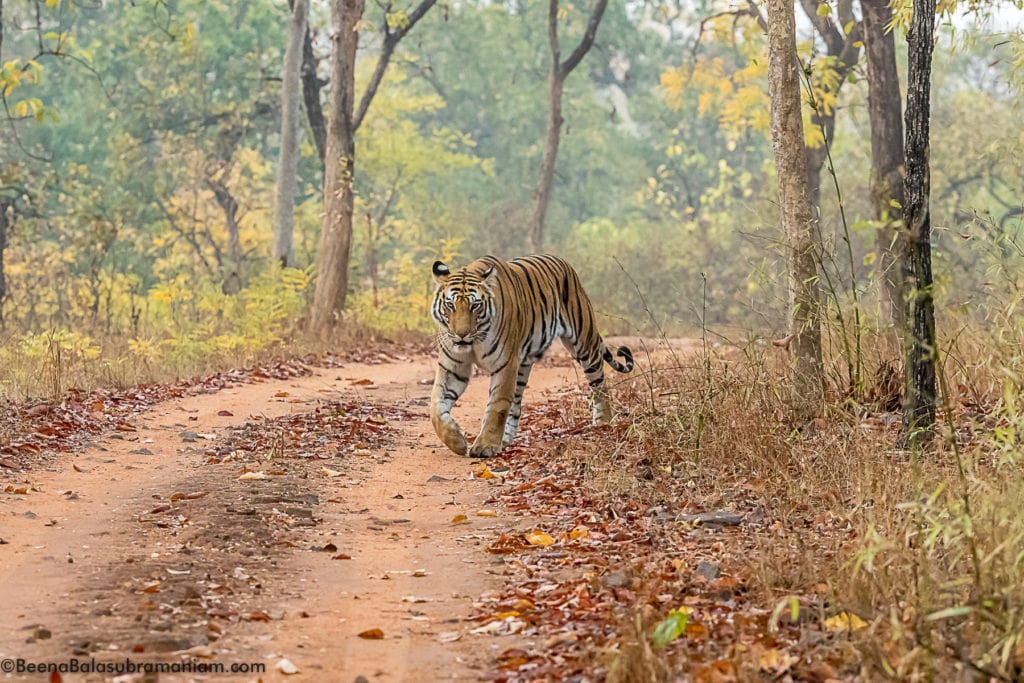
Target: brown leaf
[784,342]
[258,615]
[188,496]
[361,382]
[225,413]
[372,634]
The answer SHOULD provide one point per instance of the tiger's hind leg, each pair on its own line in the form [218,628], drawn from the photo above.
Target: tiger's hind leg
[512,422]
[593,369]
[448,387]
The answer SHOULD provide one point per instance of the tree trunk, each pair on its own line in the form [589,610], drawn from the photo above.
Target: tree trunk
[311,86]
[288,162]
[919,370]
[232,265]
[5,206]
[547,168]
[556,84]
[339,168]
[797,213]
[845,48]
[884,109]
[336,234]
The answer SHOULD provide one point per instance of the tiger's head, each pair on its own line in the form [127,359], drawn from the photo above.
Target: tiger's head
[463,305]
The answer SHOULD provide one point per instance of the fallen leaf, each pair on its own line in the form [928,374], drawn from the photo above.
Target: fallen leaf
[486,513]
[372,634]
[251,476]
[672,626]
[776,661]
[845,621]
[225,413]
[281,394]
[189,496]
[448,636]
[538,537]
[416,598]
[361,382]
[460,519]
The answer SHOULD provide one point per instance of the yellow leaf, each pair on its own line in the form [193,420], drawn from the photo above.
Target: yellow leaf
[481,471]
[486,513]
[845,621]
[578,532]
[460,519]
[776,661]
[538,537]
[21,108]
[52,3]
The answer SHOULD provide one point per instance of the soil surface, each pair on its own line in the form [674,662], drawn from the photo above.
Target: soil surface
[265,525]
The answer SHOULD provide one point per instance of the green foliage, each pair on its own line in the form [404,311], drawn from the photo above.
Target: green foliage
[671,627]
[168,119]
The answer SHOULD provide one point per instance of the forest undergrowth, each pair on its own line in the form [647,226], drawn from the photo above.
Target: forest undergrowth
[828,552]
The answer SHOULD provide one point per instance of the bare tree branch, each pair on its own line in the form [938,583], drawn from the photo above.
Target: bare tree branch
[828,31]
[391,39]
[586,42]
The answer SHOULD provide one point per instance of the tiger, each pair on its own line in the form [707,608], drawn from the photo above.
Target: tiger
[502,316]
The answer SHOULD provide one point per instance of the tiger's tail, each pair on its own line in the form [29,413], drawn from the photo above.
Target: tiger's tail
[622,352]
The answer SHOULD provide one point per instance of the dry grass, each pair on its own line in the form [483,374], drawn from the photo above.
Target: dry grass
[926,548]
[46,365]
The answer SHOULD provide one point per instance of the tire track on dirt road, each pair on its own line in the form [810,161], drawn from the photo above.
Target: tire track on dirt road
[103,561]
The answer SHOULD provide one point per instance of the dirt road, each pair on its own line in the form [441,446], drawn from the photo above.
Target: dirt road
[148,547]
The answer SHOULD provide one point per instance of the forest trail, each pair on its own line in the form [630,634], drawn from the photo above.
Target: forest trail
[148,547]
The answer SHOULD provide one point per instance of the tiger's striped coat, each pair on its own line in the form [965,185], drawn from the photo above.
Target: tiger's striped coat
[502,316]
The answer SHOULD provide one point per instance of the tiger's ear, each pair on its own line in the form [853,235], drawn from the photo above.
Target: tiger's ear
[440,271]
[487,275]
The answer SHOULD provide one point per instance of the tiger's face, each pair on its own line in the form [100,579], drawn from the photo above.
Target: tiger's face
[463,306]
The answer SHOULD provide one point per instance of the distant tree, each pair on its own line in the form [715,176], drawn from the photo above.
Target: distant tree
[842,42]
[283,249]
[919,368]
[798,217]
[560,70]
[885,110]
[336,234]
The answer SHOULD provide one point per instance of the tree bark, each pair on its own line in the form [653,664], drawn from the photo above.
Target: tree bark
[311,86]
[797,212]
[336,234]
[6,207]
[885,111]
[288,161]
[556,84]
[232,265]
[919,369]
[845,47]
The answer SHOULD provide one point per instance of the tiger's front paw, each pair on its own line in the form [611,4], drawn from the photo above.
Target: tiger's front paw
[483,449]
